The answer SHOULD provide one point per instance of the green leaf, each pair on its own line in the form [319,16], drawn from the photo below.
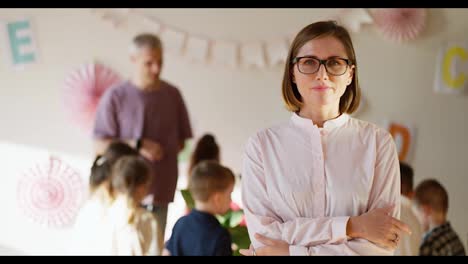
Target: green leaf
[236,218]
[188,198]
[240,237]
[184,155]
[224,219]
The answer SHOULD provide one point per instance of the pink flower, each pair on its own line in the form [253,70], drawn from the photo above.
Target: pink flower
[234,206]
[243,223]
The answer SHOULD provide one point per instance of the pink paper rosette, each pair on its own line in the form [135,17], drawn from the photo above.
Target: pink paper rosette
[400,24]
[51,193]
[83,89]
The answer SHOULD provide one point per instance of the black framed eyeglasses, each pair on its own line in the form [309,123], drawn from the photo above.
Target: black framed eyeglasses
[335,66]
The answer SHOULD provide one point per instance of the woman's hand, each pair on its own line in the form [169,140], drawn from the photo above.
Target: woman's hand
[272,247]
[378,227]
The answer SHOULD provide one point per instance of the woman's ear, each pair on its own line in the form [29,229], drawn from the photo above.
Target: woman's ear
[351,75]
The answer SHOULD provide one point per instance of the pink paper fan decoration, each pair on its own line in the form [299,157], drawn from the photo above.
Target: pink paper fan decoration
[51,193]
[400,24]
[83,89]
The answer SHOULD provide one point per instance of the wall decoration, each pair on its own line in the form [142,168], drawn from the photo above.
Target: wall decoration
[452,69]
[277,51]
[400,24]
[173,40]
[197,49]
[20,42]
[403,134]
[225,53]
[83,89]
[51,193]
[118,17]
[354,18]
[396,24]
[253,54]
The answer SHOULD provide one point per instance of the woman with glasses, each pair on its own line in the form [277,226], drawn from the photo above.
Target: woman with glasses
[322,183]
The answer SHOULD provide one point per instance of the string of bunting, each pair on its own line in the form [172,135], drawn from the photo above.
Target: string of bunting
[264,53]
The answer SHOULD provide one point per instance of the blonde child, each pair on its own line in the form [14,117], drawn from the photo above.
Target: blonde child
[91,233]
[134,230]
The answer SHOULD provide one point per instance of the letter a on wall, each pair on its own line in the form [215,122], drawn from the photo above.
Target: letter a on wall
[20,42]
[404,139]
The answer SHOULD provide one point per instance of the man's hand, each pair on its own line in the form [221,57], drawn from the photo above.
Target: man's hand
[151,150]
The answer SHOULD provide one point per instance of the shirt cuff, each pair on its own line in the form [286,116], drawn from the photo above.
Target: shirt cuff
[339,229]
[297,250]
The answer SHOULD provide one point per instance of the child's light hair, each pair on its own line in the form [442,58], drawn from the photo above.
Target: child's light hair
[128,174]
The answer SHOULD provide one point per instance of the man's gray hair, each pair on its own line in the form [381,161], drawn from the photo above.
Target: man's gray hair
[145,40]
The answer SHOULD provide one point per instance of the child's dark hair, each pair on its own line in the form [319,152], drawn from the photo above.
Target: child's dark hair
[102,165]
[128,173]
[431,192]
[209,177]
[206,149]
[406,176]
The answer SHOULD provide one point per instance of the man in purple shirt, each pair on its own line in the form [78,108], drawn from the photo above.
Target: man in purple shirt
[150,115]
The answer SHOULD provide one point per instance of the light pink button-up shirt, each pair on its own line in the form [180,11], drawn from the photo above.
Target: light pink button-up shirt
[301,183]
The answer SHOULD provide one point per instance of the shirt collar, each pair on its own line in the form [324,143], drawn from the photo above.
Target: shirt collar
[405,201]
[328,125]
[443,226]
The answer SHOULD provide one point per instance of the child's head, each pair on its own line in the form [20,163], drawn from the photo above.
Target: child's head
[206,149]
[212,184]
[131,177]
[406,175]
[102,165]
[431,199]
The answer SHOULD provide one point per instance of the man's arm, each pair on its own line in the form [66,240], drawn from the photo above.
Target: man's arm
[185,129]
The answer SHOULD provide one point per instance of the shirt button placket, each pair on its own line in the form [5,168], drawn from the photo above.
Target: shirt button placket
[321,180]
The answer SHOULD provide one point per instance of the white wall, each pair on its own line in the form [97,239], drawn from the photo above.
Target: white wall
[397,82]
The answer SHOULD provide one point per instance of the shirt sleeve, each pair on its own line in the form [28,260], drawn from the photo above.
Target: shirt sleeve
[106,122]
[261,217]
[185,131]
[356,247]
[385,188]
[223,245]
[171,243]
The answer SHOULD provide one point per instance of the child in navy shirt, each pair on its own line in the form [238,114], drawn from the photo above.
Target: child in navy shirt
[199,233]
